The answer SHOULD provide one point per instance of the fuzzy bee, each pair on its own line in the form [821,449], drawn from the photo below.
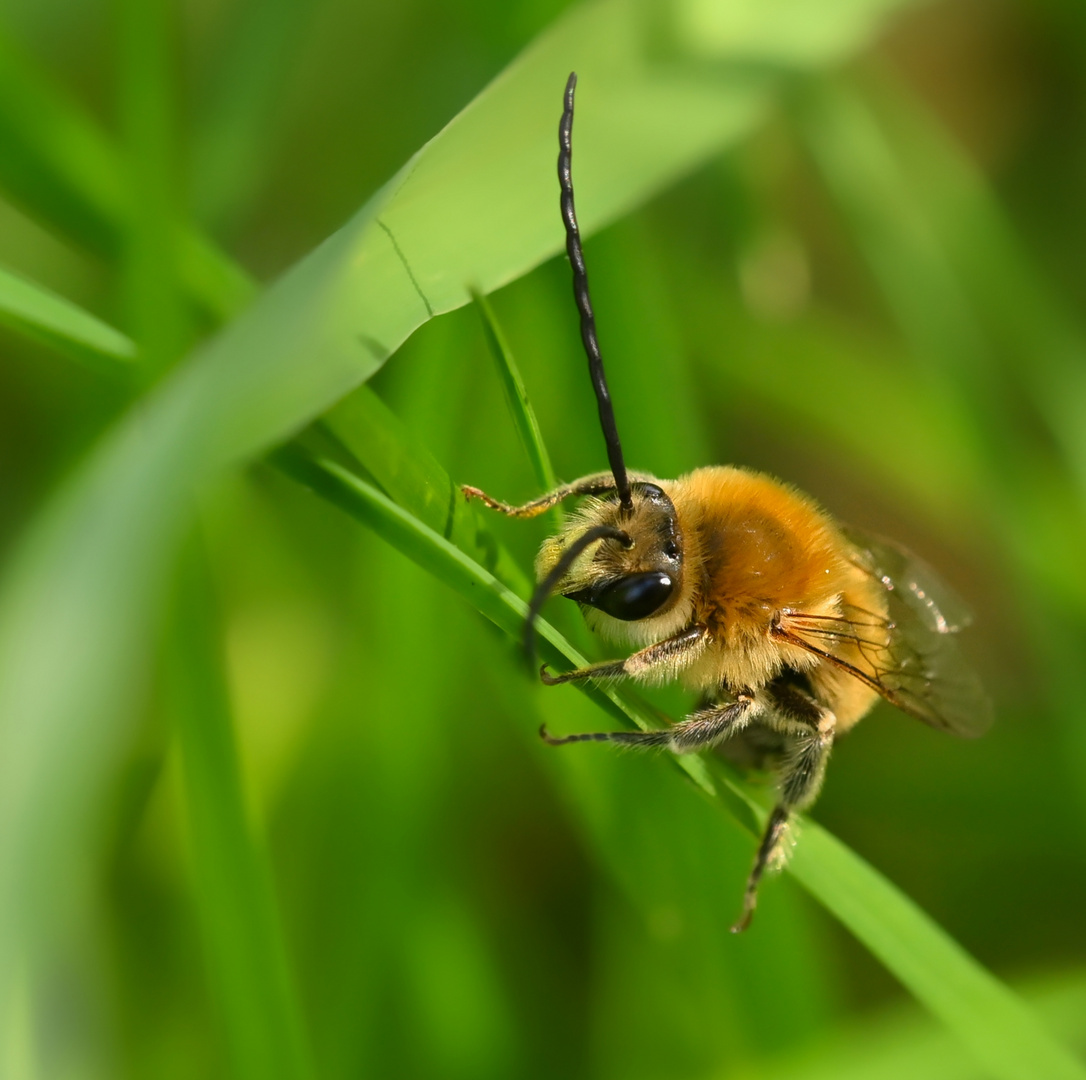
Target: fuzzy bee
[788,625]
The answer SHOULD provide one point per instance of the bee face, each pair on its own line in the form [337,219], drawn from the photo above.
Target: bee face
[635,577]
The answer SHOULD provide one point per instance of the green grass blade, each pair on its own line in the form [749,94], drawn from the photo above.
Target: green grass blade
[153,302]
[213,280]
[516,397]
[60,166]
[236,109]
[1020,309]
[365,426]
[35,310]
[243,944]
[490,596]
[991,1021]
[986,1016]
[909,240]
[789,34]
[56,161]
[892,229]
[902,1043]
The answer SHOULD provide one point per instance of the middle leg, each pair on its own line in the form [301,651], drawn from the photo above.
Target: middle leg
[699,731]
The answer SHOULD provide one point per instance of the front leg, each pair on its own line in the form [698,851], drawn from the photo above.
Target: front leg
[597,484]
[662,660]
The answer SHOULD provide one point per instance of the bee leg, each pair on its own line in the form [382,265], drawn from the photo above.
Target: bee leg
[774,830]
[697,732]
[643,739]
[596,484]
[665,658]
[707,727]
[810,730]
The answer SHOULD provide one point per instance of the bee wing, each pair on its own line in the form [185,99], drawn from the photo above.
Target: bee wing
[916,584]
[911,656]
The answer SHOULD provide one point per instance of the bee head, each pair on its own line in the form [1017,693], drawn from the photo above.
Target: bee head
[625,563]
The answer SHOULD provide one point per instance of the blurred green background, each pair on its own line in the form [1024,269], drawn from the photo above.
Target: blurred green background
[326,840]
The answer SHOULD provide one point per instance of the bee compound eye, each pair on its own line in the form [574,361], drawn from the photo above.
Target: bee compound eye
[635,597]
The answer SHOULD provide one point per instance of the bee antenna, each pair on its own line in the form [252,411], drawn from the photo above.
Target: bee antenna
[584,301]
[559,570]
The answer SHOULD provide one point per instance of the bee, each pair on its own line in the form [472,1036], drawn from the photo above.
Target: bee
[788,625]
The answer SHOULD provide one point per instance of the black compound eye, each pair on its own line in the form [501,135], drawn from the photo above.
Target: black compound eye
[634,597]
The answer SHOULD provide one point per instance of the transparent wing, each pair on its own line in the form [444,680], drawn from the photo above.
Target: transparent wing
[917,585]
[910,656]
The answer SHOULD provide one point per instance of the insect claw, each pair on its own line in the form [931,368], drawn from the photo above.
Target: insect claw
[743,922]
[548,680]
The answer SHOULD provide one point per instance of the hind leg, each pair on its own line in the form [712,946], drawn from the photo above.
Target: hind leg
[809,730]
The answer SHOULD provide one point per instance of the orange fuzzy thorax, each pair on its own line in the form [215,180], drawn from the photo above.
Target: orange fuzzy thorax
[754,547]
[761,546]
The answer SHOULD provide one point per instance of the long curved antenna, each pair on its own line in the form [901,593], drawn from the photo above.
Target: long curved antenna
[584,301]
[558,571]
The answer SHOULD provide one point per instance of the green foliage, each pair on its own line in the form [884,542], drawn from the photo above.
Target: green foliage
[278,808]
[246,959]
[516,398]
[60,323]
